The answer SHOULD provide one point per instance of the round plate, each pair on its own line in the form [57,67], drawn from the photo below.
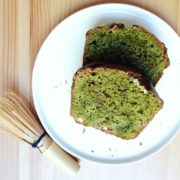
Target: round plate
[59,58]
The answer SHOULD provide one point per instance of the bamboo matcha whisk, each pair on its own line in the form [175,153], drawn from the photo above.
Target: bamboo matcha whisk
[16,118]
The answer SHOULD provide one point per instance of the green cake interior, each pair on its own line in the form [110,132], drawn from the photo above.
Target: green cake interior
[129,47]
[113,101]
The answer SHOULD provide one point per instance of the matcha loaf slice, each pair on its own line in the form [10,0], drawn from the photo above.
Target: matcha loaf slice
[132,47]
[117,100]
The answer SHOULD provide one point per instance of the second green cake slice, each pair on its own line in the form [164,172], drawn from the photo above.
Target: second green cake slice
[132,47]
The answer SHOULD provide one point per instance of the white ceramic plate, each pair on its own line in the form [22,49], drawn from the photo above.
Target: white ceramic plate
[59,58]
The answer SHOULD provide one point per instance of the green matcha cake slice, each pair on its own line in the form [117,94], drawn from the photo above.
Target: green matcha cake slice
[132,47]
[117,100]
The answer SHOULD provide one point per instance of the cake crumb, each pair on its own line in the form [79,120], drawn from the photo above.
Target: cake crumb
[140,143]
[110,149]
[178,79]
[65,81]
[55,86]
[92,151]
[83,130]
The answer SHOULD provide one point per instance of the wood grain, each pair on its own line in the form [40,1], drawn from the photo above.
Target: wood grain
[24,24]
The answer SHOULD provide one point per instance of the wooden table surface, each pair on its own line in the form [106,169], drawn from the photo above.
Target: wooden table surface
[24,24]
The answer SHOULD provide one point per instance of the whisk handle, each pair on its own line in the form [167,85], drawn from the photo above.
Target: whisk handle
[63,160]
